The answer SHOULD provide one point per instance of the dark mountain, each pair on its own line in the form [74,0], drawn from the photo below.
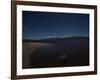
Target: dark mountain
[59,40]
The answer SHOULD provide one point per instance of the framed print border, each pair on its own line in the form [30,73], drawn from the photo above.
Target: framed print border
[14,4]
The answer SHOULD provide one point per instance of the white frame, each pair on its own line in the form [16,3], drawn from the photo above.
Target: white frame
[21,71]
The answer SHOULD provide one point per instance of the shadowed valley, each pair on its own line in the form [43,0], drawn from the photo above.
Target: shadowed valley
[56,52]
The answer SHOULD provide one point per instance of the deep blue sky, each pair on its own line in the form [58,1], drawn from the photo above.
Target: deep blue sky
[38,25]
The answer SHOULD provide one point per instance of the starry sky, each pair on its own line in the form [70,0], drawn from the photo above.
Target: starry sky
[39,25]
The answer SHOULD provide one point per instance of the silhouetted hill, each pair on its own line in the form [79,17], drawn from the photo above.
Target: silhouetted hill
[60,40]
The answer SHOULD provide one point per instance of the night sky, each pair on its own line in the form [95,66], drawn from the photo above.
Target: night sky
[38,25]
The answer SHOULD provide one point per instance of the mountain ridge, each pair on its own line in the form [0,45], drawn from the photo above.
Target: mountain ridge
[74,38]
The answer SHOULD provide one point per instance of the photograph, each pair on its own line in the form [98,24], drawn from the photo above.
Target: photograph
[53,39]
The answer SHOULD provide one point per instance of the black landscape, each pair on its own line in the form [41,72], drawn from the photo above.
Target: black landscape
[54,39]
[56,52]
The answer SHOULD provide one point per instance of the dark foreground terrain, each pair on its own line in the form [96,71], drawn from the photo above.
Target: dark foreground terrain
[56,52]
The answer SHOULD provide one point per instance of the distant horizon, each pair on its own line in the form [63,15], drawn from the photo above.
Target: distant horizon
[57,37]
